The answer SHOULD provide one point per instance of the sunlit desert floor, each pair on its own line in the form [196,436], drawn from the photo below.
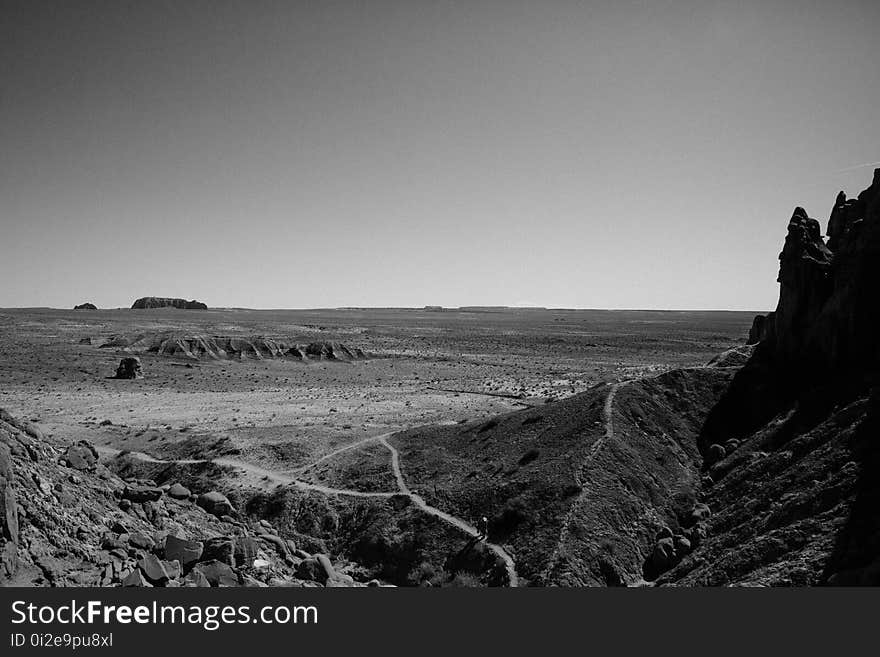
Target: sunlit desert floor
[423,367]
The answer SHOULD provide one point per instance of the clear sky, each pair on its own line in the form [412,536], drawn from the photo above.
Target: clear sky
[620,154]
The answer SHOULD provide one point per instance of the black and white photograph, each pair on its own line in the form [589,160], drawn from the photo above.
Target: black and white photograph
[439,294]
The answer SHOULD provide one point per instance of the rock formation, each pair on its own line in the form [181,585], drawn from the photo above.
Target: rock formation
[86,306]
[827,317]
[167,302]
[219,347]
[792,460]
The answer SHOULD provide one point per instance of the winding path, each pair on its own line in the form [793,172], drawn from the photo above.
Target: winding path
[347,448]
[262,474]
[265,476]
[607,434]
[458,523]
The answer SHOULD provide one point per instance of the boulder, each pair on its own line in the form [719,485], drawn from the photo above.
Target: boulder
[664,532]
[86,306]
[217,573]
[220,548]
[699,514]
[135,578]
[326,566]
[340,581]
[311,570]
[277,542]
[130,368]
[153,569]
[139,494]
[682,545]
[81,456]
[141,541]
[716,453]
[179,492]
[196,579]
[246,549]
[215,503]
[250,582]
[182,550]
[663,557]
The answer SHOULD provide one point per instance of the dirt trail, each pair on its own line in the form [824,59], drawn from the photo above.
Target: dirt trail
[355,445]
[264,478]
[460,524]
[607,434]
[268,479]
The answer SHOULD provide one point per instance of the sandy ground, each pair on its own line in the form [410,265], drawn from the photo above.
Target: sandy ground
[424,368]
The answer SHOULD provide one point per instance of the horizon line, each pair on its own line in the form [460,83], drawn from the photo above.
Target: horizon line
[428,308]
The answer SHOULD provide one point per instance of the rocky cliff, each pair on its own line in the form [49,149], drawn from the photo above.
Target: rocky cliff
[167,302]
[827,317]
[790,450]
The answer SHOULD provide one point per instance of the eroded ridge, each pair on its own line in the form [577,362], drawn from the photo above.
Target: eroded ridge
[595,448]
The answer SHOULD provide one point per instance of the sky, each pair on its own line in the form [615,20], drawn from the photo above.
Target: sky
[621,154]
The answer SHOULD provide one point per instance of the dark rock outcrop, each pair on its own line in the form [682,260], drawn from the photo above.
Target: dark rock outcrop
[759,328]
[86,306]
[790,452]
[166,302]
[130,368]
[827,318]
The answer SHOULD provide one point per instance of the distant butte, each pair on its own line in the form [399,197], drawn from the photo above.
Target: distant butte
[166,302]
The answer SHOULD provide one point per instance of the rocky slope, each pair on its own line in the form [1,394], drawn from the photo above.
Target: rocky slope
[68,520]
[167,302]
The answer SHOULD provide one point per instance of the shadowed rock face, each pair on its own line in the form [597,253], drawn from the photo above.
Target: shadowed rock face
[827,317]
[795,490]
[167,302]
